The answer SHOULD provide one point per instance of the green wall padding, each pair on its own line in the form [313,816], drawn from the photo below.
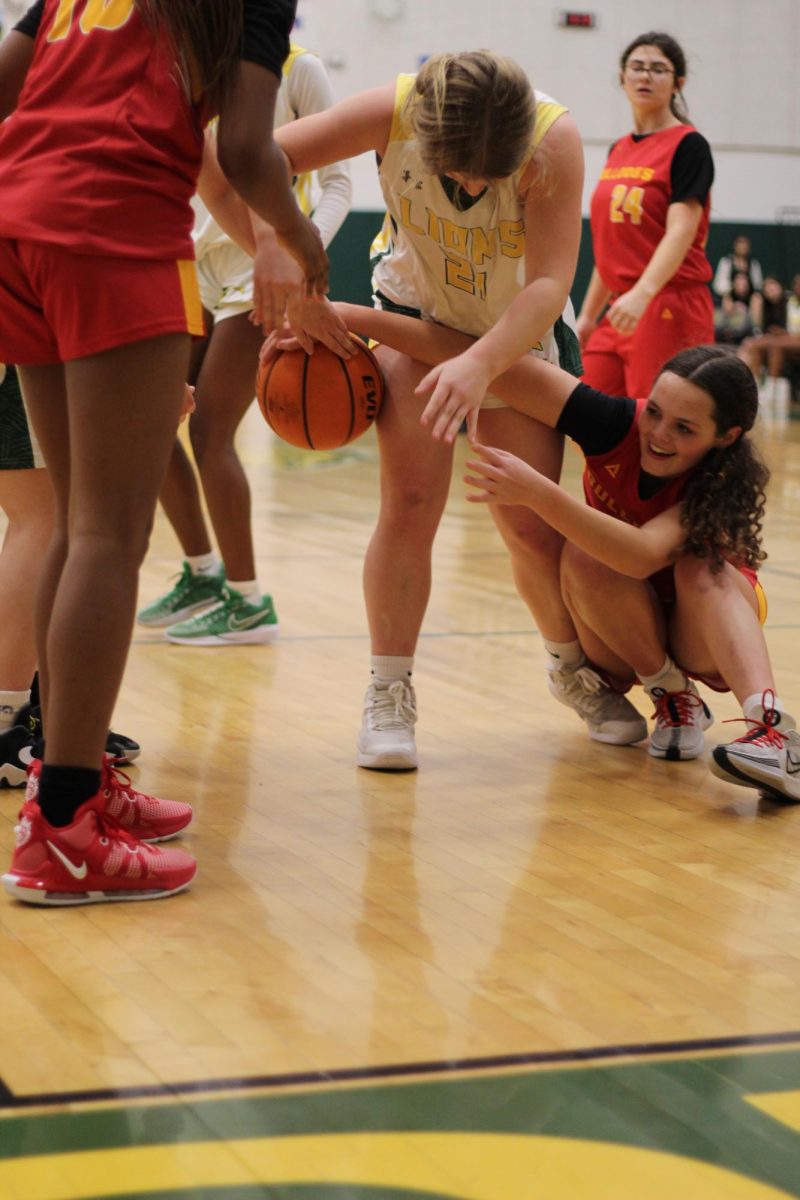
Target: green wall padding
[777,247]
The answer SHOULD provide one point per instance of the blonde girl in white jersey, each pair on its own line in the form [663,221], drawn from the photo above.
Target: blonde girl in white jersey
[483,190]
[218,602]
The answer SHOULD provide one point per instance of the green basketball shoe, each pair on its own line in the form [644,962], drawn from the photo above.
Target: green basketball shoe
[234,621]
[190,593]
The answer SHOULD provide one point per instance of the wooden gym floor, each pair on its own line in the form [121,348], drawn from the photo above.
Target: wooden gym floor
[537,967]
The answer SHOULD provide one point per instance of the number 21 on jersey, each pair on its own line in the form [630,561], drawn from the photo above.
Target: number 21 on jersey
[628,202]
[98,14]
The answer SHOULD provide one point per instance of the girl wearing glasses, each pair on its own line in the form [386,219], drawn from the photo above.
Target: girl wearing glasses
[649,217]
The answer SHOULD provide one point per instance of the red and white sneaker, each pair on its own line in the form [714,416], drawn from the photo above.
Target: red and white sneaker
[767,757]
[681,718]
[146,818]
[90,861]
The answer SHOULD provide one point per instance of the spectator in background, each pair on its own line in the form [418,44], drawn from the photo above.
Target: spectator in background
[741,262]
[780,341]
[733,321]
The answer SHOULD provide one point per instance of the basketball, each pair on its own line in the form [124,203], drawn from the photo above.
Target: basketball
[320,401]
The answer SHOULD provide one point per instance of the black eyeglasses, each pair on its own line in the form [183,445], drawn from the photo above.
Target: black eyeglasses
[657,70]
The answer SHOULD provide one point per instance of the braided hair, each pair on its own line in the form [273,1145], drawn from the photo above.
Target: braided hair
[722,508]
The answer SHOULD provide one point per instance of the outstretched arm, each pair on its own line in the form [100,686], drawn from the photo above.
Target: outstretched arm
[223,202]
[256,167]
[531,385]
[502,478]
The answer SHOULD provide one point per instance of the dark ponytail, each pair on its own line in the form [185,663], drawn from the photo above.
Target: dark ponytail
[722,508]
[672,50]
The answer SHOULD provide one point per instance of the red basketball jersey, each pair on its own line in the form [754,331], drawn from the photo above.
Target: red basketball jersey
[611,481]
[629,211]
[103,152]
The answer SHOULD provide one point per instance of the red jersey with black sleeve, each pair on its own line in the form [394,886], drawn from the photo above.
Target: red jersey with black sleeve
[607,430]
[614,482]
[103,151]
[643,175]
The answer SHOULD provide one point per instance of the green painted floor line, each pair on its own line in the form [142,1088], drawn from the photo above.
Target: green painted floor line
[719,1127]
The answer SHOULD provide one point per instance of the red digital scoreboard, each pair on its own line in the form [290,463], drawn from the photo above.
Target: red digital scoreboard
[576,20]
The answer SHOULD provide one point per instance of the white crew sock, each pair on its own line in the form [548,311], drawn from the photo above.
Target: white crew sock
[204,564]
[386,668]
[753,710]
[564,654]
[10,704]
[249,589]
[670,678]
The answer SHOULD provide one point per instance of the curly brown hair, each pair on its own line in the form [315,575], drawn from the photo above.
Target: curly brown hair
[722,508]
[208,38]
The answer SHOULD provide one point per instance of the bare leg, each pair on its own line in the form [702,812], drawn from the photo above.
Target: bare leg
[622,626]
[415,479]
[180,492]
[105,505]
[620,620]
[535,548]
[225,391]
[26,497]
[714,628]
[47,385]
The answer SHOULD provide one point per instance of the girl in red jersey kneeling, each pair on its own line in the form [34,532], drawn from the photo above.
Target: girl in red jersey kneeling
[658,566]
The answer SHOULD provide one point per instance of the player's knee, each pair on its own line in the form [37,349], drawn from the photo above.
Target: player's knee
[526,535]
[693,576]
[412,504]
[581,572]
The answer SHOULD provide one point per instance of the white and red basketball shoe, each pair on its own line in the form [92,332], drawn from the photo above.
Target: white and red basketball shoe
[145,817]
[90,861]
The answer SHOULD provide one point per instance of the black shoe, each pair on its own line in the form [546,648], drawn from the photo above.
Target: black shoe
[30,717]
[16,752]
[120,747]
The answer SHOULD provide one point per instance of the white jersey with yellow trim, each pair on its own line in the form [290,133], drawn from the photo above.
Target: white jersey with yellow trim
[305,89]
[460,267]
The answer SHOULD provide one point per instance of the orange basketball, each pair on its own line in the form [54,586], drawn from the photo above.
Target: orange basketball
[320,401]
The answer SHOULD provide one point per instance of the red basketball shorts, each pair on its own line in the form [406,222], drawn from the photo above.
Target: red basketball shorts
[56,306]
[627,364]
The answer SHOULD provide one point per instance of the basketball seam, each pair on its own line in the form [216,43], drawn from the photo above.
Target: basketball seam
[346,373]
[265,392]
[306,362]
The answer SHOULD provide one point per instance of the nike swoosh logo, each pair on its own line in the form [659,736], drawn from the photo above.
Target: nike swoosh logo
[25,755]
[75,872]
[792,763]
[246,622]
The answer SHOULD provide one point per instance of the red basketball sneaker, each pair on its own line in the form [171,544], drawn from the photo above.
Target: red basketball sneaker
[90,861]
[146,818]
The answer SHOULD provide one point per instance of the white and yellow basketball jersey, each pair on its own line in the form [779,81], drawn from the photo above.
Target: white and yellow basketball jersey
[458,266]
[207,233]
